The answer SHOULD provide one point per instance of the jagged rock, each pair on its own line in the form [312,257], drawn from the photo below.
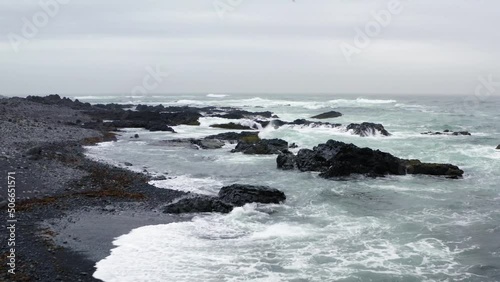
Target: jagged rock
[232,125]
[367,128]
[234,137]
[55,99]
[461,133]
[313,123]
[240,195]
[447,132]
[262,147]
[498,147]
[331,114]
[158,126]
[286,160]
[335,159]
[239,114]
[198,204]
[417,167]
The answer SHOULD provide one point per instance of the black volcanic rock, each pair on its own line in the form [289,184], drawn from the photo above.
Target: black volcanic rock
[55,99]
[262,147]
[498,147]
[286,160]
[239,195]
[158,126]
[313,123]
[331,114]
[234,137]
[198,204]
[239,114]
[335,159]
[448,132]
[367,128]
[232,125]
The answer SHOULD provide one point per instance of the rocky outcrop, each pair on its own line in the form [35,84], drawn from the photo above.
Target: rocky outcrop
[240,114]
[232,125]
[239,195]
[309,123]
[235,195]
[336,159]
[234,137]
[55,99]
[367,129]
[262,147]
[447,132]
[331,114]
[198,204]
[498,147]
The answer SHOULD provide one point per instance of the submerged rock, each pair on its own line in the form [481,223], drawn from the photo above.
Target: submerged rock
[209,143]
[367,129]
[239,195]
[336,159]
[193,143]
[198,204]
[262,147]
[331,114]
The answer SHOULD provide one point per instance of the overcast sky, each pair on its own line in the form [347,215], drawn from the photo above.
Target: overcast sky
[248,46]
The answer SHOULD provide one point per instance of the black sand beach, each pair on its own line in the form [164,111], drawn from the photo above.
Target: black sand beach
[68,208]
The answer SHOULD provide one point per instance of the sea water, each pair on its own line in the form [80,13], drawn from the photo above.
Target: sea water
[397,228]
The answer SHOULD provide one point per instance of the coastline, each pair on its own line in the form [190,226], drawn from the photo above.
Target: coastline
[69,208]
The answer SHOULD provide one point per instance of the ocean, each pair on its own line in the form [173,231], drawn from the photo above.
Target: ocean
[396,228]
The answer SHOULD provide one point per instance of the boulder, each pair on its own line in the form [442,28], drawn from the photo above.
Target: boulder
[262,147]
[498,147]
[367,129]
[286,160]
[239,195]
[331,114]
[197,204]
[336,159]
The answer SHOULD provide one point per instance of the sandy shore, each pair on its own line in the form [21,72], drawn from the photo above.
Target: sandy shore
[68,208]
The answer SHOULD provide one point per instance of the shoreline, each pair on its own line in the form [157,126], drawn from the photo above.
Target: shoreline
[69,208]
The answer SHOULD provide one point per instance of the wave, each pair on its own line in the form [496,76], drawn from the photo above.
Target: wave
[217,95]
[249,243]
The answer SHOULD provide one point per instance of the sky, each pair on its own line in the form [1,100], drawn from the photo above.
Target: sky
[247,46]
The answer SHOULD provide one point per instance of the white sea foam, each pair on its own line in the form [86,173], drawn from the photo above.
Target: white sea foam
[246,245]
[311,105]
[186,183]
[217,95]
